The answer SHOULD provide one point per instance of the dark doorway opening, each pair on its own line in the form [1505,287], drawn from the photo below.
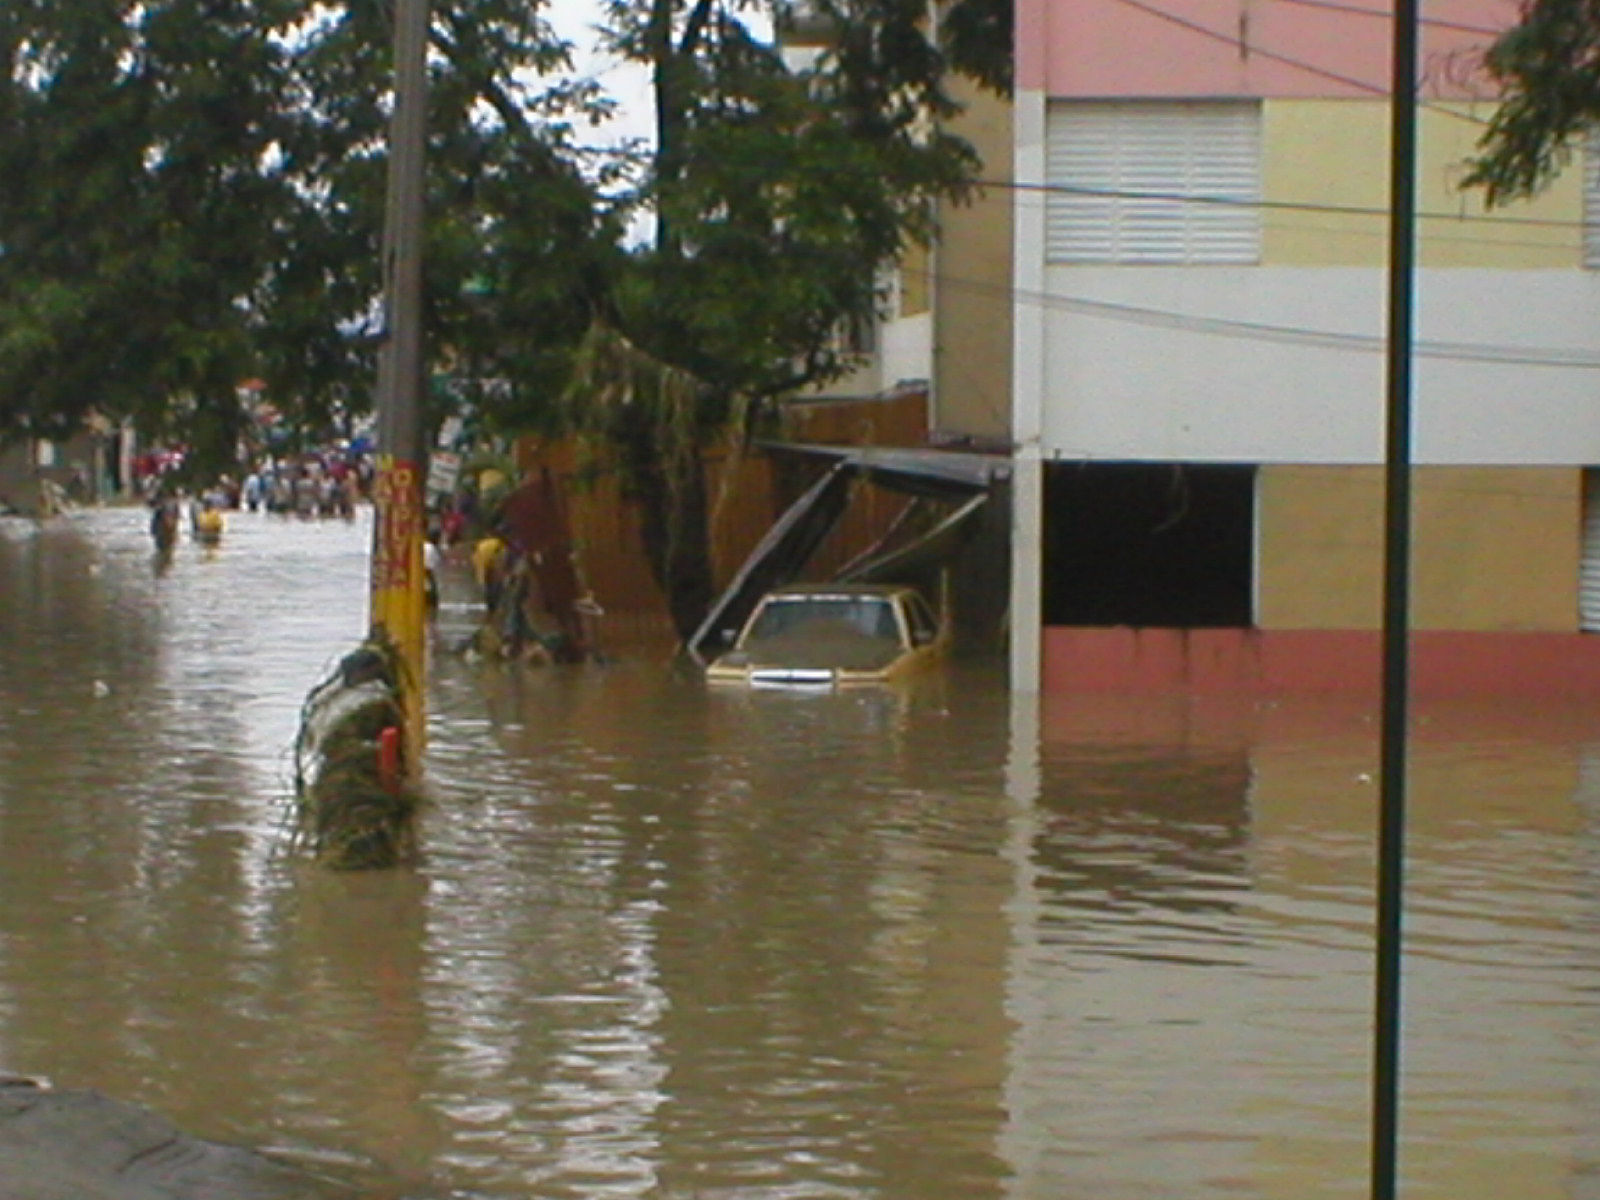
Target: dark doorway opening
[1148,544]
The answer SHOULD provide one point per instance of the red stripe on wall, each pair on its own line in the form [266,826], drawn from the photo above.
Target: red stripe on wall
[1262,662]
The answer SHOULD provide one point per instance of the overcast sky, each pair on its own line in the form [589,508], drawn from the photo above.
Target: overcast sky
[628,84]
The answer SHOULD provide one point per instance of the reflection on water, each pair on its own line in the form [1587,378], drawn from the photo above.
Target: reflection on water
[677,942]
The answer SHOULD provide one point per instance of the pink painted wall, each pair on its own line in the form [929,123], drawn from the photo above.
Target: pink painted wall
[1303,662]
[1267,48]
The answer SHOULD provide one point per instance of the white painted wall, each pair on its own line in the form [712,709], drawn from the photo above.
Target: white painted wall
[1203,364]
[905,350]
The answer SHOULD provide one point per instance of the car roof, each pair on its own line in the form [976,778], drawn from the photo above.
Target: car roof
[819,590]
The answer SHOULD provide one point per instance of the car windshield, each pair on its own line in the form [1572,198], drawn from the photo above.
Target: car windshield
[862,616]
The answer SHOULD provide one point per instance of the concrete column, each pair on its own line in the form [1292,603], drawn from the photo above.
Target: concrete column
[1028,390]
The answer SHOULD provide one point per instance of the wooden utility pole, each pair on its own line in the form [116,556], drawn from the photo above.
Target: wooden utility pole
[397,573]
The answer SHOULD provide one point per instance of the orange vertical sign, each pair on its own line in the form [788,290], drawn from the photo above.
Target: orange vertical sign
[397,604]
[398,498]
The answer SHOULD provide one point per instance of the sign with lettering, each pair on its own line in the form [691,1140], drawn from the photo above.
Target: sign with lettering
[398,539]
[444,469]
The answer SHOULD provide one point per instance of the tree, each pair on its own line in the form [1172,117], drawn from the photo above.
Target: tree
[191,193]
[126,166]
[779,190]
[1549,67]
[515,241]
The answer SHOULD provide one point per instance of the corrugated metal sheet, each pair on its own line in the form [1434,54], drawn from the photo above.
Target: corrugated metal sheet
[1120,172]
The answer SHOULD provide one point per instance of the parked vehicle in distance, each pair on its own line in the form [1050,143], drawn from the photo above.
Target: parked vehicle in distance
[831,634]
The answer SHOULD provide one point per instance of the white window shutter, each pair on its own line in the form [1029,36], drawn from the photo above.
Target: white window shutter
[1119,172]
[1591,198]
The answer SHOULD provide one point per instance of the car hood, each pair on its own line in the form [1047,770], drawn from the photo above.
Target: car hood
[805,651]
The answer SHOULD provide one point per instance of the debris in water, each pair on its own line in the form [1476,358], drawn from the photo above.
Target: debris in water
[353,806]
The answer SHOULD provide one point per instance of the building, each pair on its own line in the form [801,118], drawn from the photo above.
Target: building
[36,473]
[945,324]
[1200,247]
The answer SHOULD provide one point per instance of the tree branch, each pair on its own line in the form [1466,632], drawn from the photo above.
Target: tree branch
[695,26]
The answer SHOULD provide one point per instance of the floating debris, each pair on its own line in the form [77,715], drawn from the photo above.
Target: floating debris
[354,807]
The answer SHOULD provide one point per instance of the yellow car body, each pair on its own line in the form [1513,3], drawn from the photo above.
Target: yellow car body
[830,635]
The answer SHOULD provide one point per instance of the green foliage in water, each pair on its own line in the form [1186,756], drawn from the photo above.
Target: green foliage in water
[346,815]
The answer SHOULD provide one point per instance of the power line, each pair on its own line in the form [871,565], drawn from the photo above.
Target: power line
[1293,335]
[1360,11]
[1349,210]
[1237,41]
[1293,206]
[1564,246]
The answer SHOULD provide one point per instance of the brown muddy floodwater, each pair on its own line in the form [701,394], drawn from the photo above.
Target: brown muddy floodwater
[674,943]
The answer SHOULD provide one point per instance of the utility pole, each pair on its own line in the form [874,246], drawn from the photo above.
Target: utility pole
[397,609]
[1396,605]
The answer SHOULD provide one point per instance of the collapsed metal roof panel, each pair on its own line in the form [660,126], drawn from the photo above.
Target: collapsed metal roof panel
[962,478]
[936,472]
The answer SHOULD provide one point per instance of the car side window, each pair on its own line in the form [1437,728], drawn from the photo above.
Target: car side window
[884,623]
[923,628]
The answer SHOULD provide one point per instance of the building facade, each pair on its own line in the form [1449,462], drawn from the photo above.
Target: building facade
[944,325]
[1198,410]
[37,474]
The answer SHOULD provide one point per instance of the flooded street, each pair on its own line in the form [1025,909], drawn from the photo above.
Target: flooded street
[672,942]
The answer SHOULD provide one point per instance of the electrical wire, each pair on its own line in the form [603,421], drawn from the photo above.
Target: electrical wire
[1292,335]
[1488,238]
[1382,15]
[1310,68]
[1306,206]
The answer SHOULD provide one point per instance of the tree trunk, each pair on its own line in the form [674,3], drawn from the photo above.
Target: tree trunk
[675,526]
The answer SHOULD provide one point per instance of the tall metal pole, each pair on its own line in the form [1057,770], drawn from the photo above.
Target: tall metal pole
[397,574]
[1396,604]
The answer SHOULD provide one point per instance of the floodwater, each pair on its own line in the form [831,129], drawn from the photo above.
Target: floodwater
[672,942]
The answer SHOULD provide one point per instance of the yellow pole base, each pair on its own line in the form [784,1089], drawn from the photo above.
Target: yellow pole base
[398,606]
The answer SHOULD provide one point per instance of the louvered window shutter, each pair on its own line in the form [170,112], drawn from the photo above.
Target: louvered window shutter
[1153,182]
[1591,199]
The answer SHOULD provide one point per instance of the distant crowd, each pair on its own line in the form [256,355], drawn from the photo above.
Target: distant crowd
[325,484]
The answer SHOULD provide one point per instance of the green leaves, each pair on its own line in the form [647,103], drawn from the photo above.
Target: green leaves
[192,191]
[1549,66]
[787,174]
[782,185]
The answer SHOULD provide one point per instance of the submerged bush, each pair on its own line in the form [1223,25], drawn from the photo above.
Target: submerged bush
[347,814]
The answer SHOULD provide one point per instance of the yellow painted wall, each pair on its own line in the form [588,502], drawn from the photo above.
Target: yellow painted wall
[972,315]
[1319,547]
[916,281]
[1335,153]
[1494,548]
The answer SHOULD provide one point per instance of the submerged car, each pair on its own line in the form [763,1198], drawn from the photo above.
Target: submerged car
[830,634]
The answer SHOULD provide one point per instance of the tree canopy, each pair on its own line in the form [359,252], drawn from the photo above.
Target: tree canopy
[1549,67]
[781,183]
[789,166]
[191,195]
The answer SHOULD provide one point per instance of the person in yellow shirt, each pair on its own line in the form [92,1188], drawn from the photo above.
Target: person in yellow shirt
[207,522]
[488,568]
